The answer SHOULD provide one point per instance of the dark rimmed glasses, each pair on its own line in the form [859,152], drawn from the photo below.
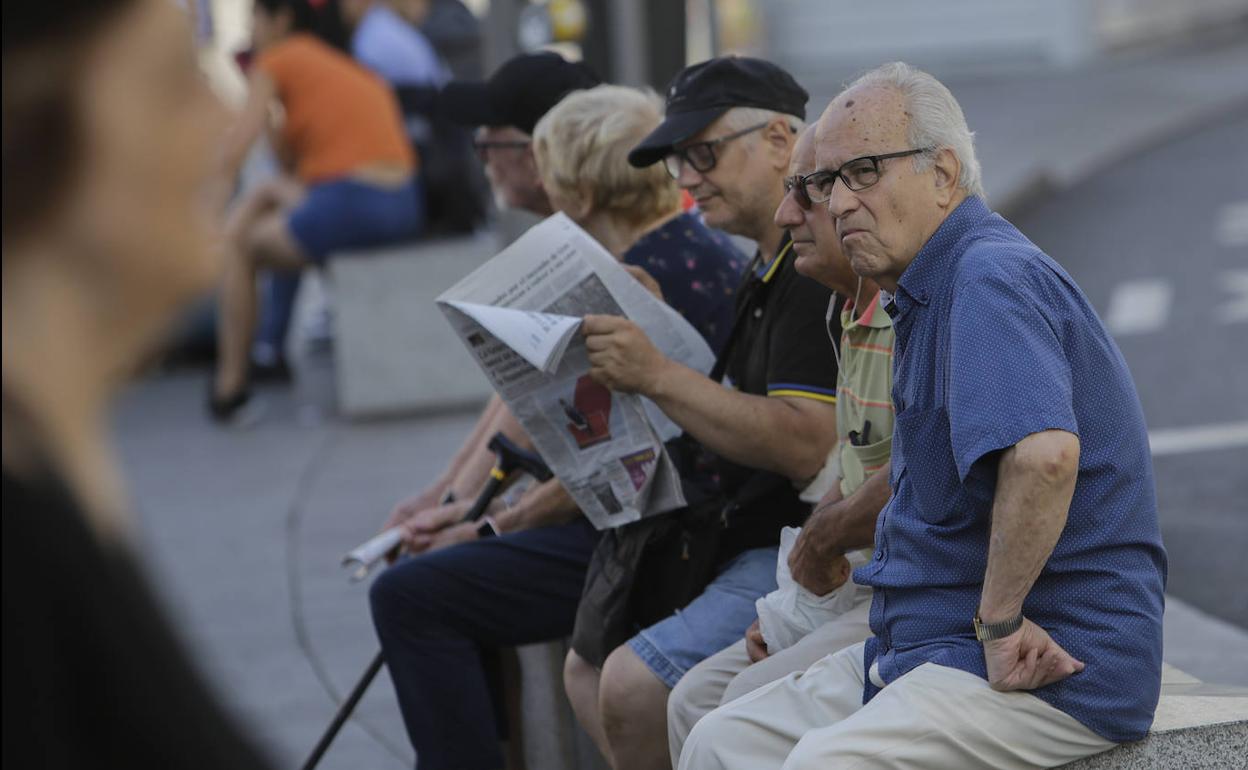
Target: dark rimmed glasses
[483,146]
[701,155]
[857,174]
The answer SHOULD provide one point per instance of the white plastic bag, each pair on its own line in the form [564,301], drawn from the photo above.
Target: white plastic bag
[791,612]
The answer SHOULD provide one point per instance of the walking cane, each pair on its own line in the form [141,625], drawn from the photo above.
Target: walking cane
[508,458]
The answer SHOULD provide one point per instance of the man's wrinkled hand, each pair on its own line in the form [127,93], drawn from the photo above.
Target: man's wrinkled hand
[420,529]
[621,356]
[814,561]
[755,645]
[1027,659]
[409,507]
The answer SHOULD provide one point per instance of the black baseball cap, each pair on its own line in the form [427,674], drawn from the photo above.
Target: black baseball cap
[524,89]
[700,93]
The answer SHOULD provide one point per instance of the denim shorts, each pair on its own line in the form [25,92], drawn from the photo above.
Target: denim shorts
[716,619]
[345,214]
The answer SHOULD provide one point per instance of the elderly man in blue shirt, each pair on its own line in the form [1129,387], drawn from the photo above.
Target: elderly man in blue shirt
[1018,571]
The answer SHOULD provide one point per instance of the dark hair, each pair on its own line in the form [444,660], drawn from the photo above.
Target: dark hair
[43,47]
[322,18]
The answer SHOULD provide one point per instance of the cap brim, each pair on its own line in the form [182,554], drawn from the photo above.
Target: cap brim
[672,131]
[468,104]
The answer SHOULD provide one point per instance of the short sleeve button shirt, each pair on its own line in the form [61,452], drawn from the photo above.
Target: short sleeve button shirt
[995,341]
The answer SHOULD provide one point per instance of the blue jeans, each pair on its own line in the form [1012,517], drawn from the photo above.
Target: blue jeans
[338,215]
[717,618]
[435,613]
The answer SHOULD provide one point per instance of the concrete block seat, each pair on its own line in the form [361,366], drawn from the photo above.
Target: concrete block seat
[394,351]
[1197,726]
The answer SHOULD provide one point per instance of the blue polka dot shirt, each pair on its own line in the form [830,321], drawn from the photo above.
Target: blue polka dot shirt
[995,341]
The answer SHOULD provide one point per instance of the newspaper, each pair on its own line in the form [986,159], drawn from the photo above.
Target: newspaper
[520,316]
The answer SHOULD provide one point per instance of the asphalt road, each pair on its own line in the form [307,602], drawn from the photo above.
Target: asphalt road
[1159,242]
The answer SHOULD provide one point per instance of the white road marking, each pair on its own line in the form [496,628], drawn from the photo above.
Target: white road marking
[1232,226]
[1236,309]
[1139,306]
[1200,438]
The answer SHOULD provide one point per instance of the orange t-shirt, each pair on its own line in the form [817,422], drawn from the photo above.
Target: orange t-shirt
[339,116]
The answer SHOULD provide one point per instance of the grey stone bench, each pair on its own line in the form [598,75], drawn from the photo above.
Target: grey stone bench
[394,351]
[1197,725]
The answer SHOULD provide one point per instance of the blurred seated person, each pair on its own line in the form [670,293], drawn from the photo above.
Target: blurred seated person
[516,577]
[110,135]
[352,181]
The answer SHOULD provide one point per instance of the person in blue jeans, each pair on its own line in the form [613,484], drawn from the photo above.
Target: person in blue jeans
[393,47]
[516,579]
[351,177]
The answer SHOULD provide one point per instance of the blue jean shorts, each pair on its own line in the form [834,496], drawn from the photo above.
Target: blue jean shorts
[716,619]
[344,214]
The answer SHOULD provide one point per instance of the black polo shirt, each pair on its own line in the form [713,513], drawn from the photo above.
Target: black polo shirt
[781,349]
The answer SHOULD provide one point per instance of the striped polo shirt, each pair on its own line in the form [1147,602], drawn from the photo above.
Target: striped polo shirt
[864,407]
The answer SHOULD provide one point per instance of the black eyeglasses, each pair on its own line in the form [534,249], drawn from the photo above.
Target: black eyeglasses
[483,146]
[701,156]
[857,174]
[796,184]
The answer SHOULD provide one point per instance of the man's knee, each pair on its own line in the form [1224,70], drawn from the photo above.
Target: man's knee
[627,688]
[578,675]
[395,594]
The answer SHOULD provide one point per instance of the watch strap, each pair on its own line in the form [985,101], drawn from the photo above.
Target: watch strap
[987,632]
[486,527]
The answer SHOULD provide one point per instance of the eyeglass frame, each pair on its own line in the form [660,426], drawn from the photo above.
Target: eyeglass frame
[875,162]
[797,184]
[482,146]
[683,152]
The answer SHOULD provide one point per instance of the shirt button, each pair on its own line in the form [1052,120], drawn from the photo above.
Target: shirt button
[879,556]
[758,312]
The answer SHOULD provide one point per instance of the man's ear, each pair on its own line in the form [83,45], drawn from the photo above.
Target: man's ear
[780,137]
[946,171]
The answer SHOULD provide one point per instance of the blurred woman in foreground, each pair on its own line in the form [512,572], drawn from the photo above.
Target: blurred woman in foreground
[109,141]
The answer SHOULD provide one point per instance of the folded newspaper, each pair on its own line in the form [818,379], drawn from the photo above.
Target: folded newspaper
[520,316]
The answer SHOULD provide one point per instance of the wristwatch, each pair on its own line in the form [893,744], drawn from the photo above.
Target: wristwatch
[986,632]
[486,527]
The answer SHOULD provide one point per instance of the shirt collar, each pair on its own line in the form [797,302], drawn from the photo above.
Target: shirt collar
[929,270]
[767,270]
[873,315]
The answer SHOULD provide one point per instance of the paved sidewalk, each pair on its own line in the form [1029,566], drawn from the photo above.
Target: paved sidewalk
[244,530]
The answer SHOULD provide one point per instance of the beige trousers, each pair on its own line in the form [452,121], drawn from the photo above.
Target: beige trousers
[934,717]
[728,674]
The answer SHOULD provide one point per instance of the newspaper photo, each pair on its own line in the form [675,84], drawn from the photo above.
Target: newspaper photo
[520,316]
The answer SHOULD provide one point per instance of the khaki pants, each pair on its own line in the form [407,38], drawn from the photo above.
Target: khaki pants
[933,717]
[728,674]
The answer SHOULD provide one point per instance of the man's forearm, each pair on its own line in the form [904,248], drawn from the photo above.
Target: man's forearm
[790,436]
[851,522]
[543,505]
[1035,484]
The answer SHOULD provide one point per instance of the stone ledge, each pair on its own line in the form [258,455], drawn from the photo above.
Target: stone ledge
[395,353]
[1197,726]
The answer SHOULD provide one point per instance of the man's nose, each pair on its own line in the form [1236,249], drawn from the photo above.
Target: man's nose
[789,214]
[842,201]
[689,176]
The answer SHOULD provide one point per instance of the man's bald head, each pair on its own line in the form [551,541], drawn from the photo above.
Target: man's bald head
[900,201]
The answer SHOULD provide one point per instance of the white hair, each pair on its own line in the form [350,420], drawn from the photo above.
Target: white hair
[741,118]
[936,119]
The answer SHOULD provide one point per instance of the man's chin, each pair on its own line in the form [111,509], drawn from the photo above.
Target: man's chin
[811,266]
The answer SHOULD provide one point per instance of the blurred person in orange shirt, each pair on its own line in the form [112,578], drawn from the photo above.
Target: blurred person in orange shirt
[353,176]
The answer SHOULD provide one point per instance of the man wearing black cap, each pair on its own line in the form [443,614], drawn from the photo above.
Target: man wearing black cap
[730,126]
[507,107]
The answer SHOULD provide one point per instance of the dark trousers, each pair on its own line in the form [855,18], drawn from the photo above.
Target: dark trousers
[435,612]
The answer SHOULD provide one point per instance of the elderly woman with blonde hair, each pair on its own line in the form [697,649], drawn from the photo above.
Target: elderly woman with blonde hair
[582,150]
[518,580]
